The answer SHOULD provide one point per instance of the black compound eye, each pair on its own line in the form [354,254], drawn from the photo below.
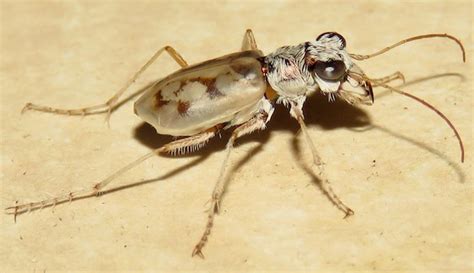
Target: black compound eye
[330,71]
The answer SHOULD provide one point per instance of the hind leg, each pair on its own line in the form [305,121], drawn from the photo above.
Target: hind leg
[113,101]
[258,122]
[179,146]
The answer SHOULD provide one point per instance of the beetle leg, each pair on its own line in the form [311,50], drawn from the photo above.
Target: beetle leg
[324,182]
[111,103]
[258,122]
[249,42]
[195,141]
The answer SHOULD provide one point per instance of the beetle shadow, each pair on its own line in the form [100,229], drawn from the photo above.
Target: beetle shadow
[319,111]
[328,115]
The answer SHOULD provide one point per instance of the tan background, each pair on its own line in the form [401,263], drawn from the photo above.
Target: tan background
[395,163]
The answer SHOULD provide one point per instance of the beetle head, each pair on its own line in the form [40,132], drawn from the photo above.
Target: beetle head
[324,64]
[334,72]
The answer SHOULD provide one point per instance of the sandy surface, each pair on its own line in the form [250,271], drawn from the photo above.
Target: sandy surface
[396,164]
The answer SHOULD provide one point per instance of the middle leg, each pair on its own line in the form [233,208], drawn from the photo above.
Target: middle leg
[258,122]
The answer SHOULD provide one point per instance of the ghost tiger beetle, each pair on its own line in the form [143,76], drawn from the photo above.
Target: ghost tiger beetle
[239,91]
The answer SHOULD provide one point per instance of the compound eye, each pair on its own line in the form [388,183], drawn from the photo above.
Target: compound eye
[330,71]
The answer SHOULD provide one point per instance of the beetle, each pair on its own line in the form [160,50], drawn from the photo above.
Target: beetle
[239,91]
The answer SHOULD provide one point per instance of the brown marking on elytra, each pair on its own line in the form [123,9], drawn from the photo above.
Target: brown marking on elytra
[210,83]
[179,90]
[183,107]
[206,81]
[158,100]
[213,92]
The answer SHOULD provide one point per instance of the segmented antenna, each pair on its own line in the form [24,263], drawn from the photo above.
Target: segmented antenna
[426,36]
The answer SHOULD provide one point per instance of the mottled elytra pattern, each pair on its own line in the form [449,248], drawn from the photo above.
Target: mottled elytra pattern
[226,90]
[210,83]
[211,90]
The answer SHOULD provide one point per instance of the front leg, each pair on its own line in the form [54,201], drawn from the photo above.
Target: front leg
[297,113]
